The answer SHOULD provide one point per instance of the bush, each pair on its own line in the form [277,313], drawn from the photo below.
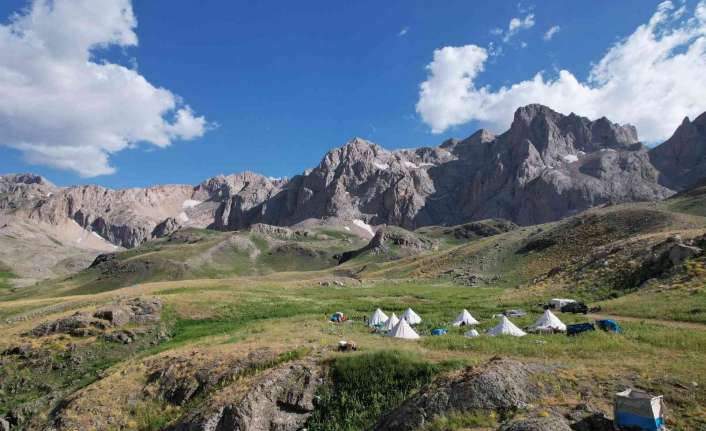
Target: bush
[363,387]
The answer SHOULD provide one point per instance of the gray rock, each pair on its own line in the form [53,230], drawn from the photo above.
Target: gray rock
[681,159]
[78,324]
[680,252]
[4,425]
[280,399]
[499,385]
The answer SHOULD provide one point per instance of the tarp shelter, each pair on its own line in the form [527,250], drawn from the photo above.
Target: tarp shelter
[338,317]
[439,331]
[471,334]
[548,322]
[609,326]
[505,327]
[390,322]
[579,328]
[465,318]
[557,303]
[411,317]
[403,330]
[377,318]
[639,410]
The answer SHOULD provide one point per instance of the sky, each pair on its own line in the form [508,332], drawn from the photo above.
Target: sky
[131,93]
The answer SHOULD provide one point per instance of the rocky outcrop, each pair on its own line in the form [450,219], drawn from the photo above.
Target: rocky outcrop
[501,385]
[138,310]
[391,236]
[280,399]
[681,160]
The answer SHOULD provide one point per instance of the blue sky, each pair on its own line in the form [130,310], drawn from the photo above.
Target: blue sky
[280,83]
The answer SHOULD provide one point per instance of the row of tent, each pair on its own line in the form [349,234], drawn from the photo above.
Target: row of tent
[402,327]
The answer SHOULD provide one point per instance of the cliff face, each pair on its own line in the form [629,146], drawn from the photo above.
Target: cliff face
[545,167]
[681,159]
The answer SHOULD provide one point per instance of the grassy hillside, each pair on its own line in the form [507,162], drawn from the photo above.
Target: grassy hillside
[229,294]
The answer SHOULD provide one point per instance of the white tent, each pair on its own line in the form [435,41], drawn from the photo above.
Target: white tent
[411,317]
[465,318]
[378,318]
[391,322]
[547,322]
[403,330]
[505,327]
[471,334]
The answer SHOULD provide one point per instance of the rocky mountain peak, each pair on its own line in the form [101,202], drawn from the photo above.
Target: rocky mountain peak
[682,158]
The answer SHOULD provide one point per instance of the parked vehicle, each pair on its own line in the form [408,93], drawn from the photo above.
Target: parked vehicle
[575,307]
[514,313]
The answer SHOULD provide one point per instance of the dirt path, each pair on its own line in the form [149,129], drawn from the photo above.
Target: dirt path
[670,323]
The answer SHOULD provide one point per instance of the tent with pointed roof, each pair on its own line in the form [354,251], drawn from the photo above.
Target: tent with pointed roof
[403,330]
[391,322]
[377,318]
[465,318]
[471,334]
[506,327]
[548,322]
[411,317]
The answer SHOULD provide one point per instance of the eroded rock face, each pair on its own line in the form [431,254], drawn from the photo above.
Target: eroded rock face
[682,158]
[279,399]
[138,310]
[391,236]
[545,167]
[500,385]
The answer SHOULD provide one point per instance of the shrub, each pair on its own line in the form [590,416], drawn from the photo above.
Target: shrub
[363,387]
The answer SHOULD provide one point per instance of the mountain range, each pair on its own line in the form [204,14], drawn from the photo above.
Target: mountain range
[545,167]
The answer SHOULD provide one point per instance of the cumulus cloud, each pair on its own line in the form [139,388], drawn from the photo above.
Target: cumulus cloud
[549,35]
[652,78]
[63,107]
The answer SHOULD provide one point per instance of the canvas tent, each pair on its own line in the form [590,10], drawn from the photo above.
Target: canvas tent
[391,322]
[377,318]
[411,317]
[557,303]
[505,327]
[548,322]
[403,330]
[465,318]
[471,334]
[639,410]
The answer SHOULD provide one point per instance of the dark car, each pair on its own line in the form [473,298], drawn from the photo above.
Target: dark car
[575,307]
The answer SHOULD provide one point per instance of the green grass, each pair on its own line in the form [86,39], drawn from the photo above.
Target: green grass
[5,276]
[364,386]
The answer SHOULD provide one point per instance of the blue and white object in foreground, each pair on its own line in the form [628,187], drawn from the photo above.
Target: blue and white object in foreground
[639,410]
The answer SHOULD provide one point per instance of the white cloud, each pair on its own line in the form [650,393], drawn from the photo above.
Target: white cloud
[549,35]
[61,106]
[652,79]
[403,32]
[518,24]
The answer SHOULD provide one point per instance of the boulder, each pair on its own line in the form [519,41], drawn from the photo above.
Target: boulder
[680,252]
[280,398]
[499,385]
[79,324]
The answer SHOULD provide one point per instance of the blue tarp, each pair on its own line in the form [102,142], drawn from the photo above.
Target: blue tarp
[579,328]
[609,325]
[439,331]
